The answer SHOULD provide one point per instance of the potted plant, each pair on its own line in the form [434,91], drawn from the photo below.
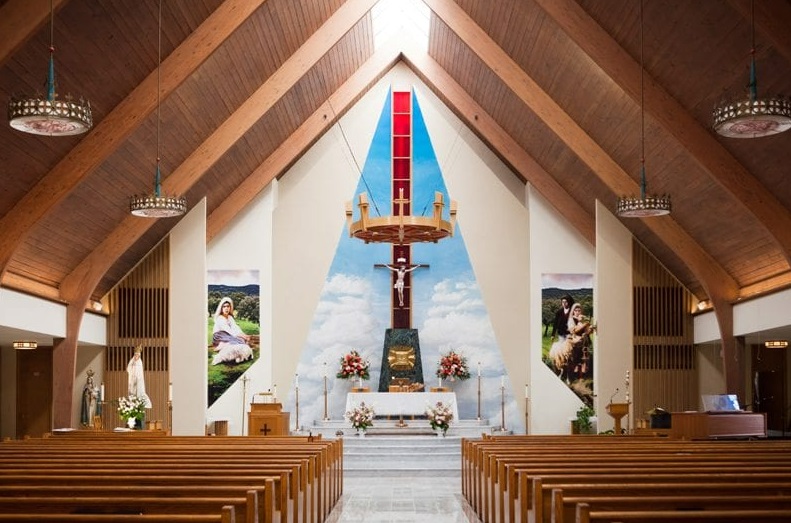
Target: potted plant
[439,417]
[361,417]
[353,366]
[583,423]
[132,410]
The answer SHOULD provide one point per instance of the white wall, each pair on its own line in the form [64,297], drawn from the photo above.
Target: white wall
[188,322]
[246,244]
[554,248]
[613,309]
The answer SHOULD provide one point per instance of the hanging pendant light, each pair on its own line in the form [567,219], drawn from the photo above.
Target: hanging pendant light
[156,205]
[47,115]
[644,206]
[752,117]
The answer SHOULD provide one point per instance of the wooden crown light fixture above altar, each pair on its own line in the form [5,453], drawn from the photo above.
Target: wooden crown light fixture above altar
[401,229]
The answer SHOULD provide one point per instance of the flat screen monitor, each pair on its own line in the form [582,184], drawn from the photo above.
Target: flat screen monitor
[720,402]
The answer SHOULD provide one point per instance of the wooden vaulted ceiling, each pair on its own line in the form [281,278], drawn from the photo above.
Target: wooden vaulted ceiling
[552,86]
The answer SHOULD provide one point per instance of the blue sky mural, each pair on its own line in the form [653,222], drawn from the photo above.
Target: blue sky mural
[354,307]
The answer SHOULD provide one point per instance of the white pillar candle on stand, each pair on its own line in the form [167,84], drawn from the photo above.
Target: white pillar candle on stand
[170,392]
[296,381]
[479,369]
[502,381]
[101,392]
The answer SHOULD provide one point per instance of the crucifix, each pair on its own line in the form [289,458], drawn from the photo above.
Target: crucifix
[401,297]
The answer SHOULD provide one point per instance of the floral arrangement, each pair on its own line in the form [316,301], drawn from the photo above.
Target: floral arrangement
[131,407]
[439,416]
[361,416]
[353,365]
[453,366]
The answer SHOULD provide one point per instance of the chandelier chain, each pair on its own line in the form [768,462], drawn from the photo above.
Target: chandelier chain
[354,159]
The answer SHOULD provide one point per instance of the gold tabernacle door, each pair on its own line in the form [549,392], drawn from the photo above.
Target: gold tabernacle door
[401,357]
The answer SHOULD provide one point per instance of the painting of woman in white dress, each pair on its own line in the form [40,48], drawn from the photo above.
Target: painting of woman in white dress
[233,328]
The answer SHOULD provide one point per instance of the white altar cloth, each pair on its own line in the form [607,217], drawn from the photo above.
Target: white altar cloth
[402,403]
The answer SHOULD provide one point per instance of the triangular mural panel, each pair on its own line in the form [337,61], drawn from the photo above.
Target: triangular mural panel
[354,308]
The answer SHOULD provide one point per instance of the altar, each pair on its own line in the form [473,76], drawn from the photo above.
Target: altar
[402,403]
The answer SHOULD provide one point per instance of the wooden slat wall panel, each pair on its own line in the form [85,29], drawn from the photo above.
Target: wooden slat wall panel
[138,315]
[665,370]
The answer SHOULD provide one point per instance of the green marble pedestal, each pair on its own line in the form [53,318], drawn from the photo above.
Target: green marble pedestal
[400,340]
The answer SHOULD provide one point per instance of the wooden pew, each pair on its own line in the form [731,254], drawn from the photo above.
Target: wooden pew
[318,477]
[585,515]
[226,516]
[328,470]
[484,461]
[730,497]
[265,510]
[243,507]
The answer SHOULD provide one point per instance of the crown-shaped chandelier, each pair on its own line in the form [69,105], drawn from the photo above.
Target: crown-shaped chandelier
[644,206]
[46,114]
[156,205]
[752,117]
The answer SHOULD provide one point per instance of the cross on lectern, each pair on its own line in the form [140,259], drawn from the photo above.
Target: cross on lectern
[266,430]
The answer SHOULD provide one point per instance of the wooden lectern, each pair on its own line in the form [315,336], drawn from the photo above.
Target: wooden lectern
[617,411]
[267,419]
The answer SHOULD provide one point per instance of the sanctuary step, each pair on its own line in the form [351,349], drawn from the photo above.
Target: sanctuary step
[394,456]
[390,427]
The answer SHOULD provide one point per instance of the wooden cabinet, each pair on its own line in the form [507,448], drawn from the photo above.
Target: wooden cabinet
[268,419]
[706,425]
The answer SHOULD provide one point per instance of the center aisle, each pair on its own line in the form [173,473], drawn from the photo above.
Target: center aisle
[415,499]
[402,478]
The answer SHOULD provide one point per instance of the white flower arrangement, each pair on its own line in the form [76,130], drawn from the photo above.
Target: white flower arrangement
[361,416]
[131,407]
[439,416]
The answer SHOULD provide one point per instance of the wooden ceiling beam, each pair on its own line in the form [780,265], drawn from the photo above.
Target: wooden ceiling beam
[476,118]
[301,140]
[77,287]
[19,20]
[713,277]
[79,284]
[105,138]
[699,141]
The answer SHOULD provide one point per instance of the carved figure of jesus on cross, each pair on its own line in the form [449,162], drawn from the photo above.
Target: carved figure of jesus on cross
[401,270]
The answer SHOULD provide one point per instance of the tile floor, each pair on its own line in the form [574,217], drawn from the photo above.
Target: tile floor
[402,499]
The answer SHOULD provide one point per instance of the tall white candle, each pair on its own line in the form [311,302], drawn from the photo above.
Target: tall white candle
[296,381]
[479,369]
[101,392]
[325,369]
[170,392]
[439,381]
[527,393]
[274,392]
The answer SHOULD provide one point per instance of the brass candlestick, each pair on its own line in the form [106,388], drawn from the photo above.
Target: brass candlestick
[479,398]
[296,407]
[502,408]
[326,416]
